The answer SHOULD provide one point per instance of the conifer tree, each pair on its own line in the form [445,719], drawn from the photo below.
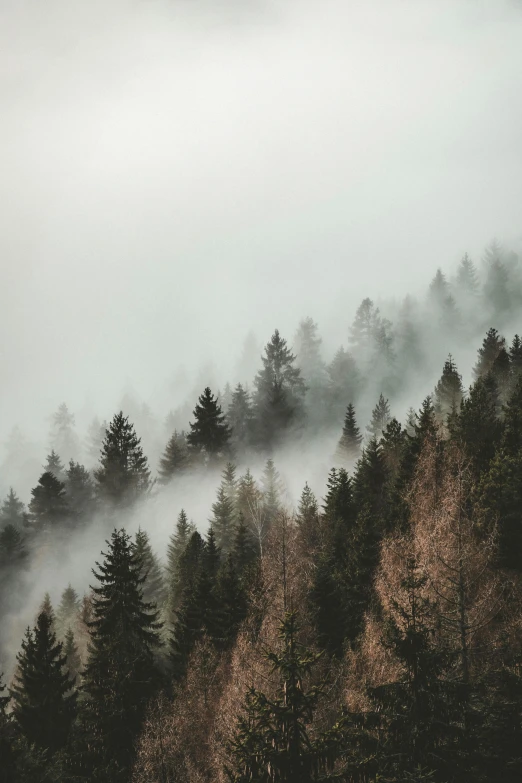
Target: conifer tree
[63,437]
[13,550]
[344,383]
[488,352]
[380,418]
[501,374]
[73,661]
[307,519]
[48,506]
[272,489]
[223,518]
[177,544]
[153,587]
[477,428]
[449,391]
[55,466]
[307,347]
[515,355]
[349,447]
[467,277]
[244,548]
[94,441]
[240,416]
[393,444]
[209,431]
[67,611]
[12,511]
[231,602]
[362,332]
[175,459]
[7,740]
[80,492]
[120,676]
[497,288]
[43,701]
[123,475]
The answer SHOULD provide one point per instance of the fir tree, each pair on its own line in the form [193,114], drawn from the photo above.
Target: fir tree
[223,518]
[120,675]
[362,332]
[467,277]
[344,383]
[477,428]
[380,418]
[48,506]
[393,444]
[94,441]
[175,459]
[73,661]
[489,351]
[43,700]
[307,519]
[123,475]
[8,753]
[13,550]
[515,355]
[272,489]
[349,447]
[231,601]
[177,544]
[209,432]
[80,492]
[449,391]
[240,416]
[244,548]
[63,437]
[67,611]
[153,587]
[55,466]
[307,347]
[12,511]
[497,289]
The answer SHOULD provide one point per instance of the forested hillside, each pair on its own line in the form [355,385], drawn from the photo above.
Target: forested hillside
[368,629]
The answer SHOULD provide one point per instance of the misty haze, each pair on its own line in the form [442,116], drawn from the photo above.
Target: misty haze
[261,391]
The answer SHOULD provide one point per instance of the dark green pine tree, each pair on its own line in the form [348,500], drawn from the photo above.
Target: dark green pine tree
[515,355]
[244,551]
[349,447]
[240,416]
[120,676]
[343,383]
[8,753]
[209,432]
[307,520]
[488,352]
[279,392]
[223,519]
[478,428]
[67,612]
[55,466]
[274,740]
[501,374]
[12,511]
[189,565]
[448,391]
[153,586]
[177,544]
[380,418]
[231,602]
[272,489]
[73,661]
[176,458]
[48,506]
[123,475]
[13,550]
[80,492]
[362,332]
[44,701]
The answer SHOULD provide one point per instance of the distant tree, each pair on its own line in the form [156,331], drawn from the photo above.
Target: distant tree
[94,441]
[497,288]
[501,374]
[362,332]
[393,442]
[515,355]
[63,438]
[123,475]
[240,416]
[80,491]
[467,277]
[307,520]
[449,390]
[244,548]
[48,506]
[209,431]
[440,298]
[120,675]
[73,662]
[247,363]
[279,392]
[439,289]
[67,611]
[307,347]
[344,383]
[13,550]
[153,587]
[43,699]
[349,447]
[489,351]
[177,544]
[250,507]
[380,418]
[409,349]
[223,519]
[272,489]
[12,511]
[175,459]
[55,466]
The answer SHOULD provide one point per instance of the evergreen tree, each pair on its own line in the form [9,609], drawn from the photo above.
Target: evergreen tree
[80,492]
[363,330]
[244,548]
[307,347]
[94,441]
[7,740]
[177,544]
[120,675]
[209,432]
[515,355]
[223,518]
[449,391]
[231,600]
[67,611]
[344,383]
[175,459]
[501,374]
[349,447]
[240,416]
[272,489]
[489,351]
[123,475]
[477,428]
[43,700]
[380,418]
[153,587]
[393,444]
[48,506]
[63,437]
[12,511]
[497,289]
[438,290]
[55,466]
[307,520]
[467,277]
[279,391]
[13,550]
[72,658]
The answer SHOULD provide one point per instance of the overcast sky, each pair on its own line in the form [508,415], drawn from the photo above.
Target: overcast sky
[175,173]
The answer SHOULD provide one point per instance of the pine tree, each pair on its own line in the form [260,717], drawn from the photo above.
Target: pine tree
[176,458]
[43,700]
[120,675]
[94,441]
[393,443]
[63,437]
[487,354]
[273,740]
[80,492]
[231,601]
[48,506]
[380,418]
[307,520]
[477,428]
[153,587]
[67,611]
[55,466]
[344,383]
[223,518]
[244,548]
[497,289]
[13,550]
[12,511]
[349,447]
[307,347]
[209,432]
[279,393]
[449,391]
[177,544]
[272,489]
[123,475]
[362,332]
[515,355]
[240,417]
[72,658]
[438,290]
[7,740]
[467,277]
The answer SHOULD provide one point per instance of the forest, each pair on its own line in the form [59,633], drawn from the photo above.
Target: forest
[369,630]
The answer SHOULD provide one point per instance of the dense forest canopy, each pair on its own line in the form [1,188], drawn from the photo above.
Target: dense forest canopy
[365,626]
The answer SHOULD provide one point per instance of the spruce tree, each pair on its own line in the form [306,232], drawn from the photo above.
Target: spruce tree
[223,518]
[240,416]
[67,611]
[362,332]
[120,676]
[488,352]
[55,466]
[231,602]
[12,511]
[175,459]
[123,475]
[393,445]
[94,441]
[477,428]
[380,418]
[307,347]
[307,520]
[153,586]
[497,289]
[349,446]
[80,492]
[48,506]
[467,277]
[515,355]
[344,383]
[244,548]
[449,391]
[8,753]
[501,374]
[63,437]
[177,544]
[73,661]
[43,700]
[272,489]
[209,432]
[13,550]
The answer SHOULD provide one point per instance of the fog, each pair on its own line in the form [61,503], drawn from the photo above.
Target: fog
[175,173]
